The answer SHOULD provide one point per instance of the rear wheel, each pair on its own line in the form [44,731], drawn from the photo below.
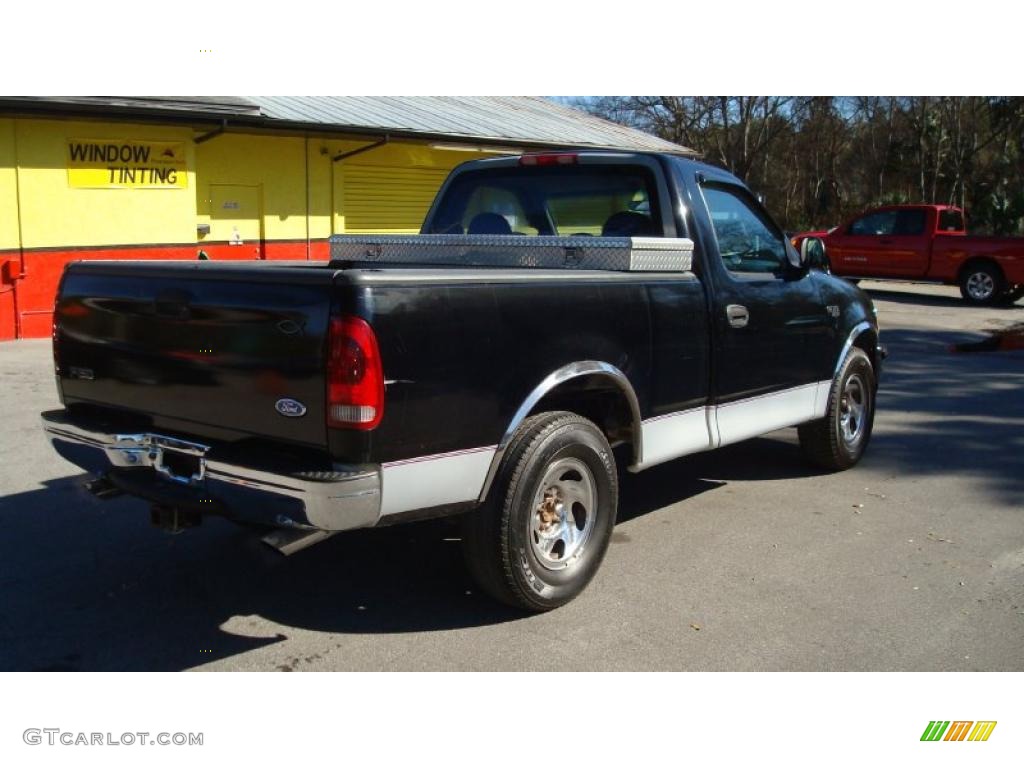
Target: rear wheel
[838,440]
[541,535]
[981,283]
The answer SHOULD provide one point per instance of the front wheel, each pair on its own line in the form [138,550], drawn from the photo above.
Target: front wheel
[838,441]
[541,535]
[981,283]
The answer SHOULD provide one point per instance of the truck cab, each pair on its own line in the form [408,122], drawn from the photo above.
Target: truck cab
[892,241]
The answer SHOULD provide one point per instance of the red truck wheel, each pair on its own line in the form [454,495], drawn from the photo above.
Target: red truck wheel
[981,283]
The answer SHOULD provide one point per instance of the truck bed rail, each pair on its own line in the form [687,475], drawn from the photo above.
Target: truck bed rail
[618,254]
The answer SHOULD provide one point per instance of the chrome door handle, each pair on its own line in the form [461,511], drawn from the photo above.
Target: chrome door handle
[738,315]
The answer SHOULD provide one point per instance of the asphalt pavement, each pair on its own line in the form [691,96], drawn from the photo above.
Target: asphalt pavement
[739,559]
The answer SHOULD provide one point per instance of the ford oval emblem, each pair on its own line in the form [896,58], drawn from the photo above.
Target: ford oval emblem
[288,407]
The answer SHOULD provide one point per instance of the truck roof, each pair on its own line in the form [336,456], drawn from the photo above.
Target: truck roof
[573,156]
[912,206]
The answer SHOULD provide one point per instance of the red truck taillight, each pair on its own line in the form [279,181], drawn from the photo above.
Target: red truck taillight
[355,378]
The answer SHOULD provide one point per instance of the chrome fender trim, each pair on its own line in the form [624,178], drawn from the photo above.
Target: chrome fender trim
[552,381]
[858,329]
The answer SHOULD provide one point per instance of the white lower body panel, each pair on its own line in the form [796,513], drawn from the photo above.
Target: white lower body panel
[758,415]
[432,481]
[678,434]
[674,434]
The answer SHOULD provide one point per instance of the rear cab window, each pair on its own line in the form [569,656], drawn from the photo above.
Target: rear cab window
[582,201]
[951,221]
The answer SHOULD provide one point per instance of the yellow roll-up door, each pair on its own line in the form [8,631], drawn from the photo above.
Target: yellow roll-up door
[388,199]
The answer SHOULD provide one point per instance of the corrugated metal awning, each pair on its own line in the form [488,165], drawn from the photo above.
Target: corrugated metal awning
[198,106]
[491,119]
[516,121]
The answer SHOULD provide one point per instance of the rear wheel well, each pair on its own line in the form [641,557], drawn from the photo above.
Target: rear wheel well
[600,400]
[975,261]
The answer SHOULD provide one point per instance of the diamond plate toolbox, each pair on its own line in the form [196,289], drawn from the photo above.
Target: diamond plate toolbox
[618,254]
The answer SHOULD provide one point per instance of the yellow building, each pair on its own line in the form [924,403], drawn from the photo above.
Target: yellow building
[238,178]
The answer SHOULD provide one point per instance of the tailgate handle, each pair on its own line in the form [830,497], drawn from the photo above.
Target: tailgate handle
[738,315]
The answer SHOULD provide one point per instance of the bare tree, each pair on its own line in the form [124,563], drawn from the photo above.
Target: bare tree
[819,159]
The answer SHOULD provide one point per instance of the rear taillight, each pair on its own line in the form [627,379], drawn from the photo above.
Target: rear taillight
[551,158]
[355,378]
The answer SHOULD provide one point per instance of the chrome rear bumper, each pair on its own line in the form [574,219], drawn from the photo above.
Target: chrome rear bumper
[343,498]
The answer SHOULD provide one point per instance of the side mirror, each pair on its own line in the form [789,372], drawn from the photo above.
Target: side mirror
[812,254]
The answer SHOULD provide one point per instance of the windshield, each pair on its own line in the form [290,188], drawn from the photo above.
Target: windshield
[595,201]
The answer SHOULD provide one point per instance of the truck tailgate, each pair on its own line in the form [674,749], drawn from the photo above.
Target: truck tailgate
[218,349]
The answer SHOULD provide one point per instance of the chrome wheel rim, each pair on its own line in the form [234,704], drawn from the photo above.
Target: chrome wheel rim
[564,512]
[853,410]
[980,285]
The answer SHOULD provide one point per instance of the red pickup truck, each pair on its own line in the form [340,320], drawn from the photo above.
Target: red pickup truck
[924,242]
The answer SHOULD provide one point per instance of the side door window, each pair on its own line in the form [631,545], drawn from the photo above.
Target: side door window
[749,243]
[877,223]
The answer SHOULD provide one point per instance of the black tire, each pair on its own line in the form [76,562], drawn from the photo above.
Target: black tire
[501,547]
[827,442]
[981,283]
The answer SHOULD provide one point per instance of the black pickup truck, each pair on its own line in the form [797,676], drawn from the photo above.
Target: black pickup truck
[560,315]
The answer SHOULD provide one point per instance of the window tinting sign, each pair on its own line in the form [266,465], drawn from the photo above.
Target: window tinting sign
[126,164]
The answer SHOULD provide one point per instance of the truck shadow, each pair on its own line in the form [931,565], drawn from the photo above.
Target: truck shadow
[89,585]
